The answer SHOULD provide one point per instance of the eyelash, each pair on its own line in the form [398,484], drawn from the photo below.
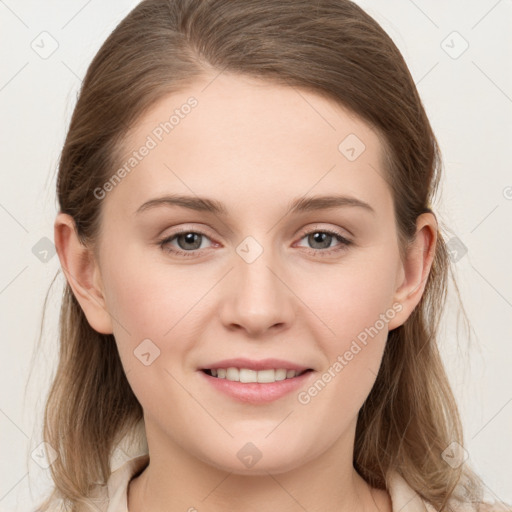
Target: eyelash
[344,243]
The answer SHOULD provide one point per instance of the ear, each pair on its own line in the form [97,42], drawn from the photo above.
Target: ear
[414,271]
[82,273]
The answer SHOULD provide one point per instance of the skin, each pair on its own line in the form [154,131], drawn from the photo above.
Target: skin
[255,147]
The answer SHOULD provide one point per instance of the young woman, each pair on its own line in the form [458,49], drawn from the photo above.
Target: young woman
[255,274]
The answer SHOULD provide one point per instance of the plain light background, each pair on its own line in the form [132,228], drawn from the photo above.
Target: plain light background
[459,53]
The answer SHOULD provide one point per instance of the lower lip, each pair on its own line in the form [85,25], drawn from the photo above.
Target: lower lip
[256,392]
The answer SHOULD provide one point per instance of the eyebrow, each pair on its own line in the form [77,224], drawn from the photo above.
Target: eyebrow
[300,205]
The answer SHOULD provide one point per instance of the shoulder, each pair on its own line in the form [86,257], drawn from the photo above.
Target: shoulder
[403,497]
[109,497]
[114,496]
[491,507]
[458,506]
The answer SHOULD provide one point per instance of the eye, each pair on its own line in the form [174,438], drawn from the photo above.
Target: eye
[321,241]
[187,241]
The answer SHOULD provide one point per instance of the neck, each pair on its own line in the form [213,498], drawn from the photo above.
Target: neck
[327,483]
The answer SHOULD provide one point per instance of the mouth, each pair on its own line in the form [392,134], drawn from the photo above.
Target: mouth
[246,375]
[257,387]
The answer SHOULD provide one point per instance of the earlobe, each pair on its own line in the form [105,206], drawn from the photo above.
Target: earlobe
[416,268]
[82,273]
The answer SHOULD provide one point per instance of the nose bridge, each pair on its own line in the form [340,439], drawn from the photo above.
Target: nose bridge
[258,299]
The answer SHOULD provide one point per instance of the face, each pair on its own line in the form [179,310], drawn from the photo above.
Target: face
[268,275]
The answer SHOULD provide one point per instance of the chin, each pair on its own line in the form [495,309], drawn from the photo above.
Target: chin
[250,461]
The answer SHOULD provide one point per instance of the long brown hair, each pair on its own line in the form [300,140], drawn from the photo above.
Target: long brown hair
[329,47]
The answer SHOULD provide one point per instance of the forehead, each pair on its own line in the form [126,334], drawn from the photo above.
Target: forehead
[251,143]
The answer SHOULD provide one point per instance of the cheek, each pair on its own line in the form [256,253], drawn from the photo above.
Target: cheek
[359,317]
[148,296]
[150,300]
[355,295]
[357,306]
[153,304]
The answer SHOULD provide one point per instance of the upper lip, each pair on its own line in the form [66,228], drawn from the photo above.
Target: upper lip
[251,364]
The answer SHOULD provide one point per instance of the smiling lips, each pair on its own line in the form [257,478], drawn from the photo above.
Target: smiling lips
[256,381]
[247,375]
[248,370]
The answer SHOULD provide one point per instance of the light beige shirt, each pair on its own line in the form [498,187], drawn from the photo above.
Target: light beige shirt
[113,496]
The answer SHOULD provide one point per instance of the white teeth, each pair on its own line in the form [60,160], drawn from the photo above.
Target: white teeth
[245,375]
[266,376]
[248,375]
[281,374]
[232,374]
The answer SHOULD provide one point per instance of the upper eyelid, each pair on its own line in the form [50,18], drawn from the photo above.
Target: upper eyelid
[319,227]
[303,232]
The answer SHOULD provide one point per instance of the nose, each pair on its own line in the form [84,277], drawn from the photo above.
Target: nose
[257,297]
